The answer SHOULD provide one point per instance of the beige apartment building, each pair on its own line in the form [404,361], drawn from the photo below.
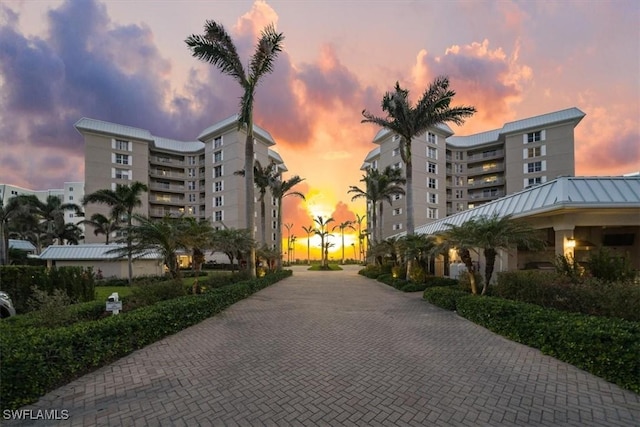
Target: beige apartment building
[454,173]
[192,178]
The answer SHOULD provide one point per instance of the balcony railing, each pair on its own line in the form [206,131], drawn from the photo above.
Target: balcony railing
[166,161]
[486,195]
[485,168]
[166,174]
[167,187]
[485,183]
[485,155]
[167,200]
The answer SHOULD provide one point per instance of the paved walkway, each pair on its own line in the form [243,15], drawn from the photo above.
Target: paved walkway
[333,349]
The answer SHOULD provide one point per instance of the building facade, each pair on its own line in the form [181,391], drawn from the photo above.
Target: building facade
[454,173]
[192,178]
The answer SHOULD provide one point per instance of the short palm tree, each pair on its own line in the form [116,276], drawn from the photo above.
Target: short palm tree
[12,210]
[308,229]
[263,178]
[234,243]
[342,226]
[102,225]
[122,201]
[490,234]
[379,187]
[217,48]
[359,219]
[323,232]
[408,122]
[281,189]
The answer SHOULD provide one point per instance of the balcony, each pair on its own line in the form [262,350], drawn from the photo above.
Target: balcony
[486,195]
[156,186]
[166,174]
[478,183]
[479,169]
[169,200]
[485,155]
[166,161]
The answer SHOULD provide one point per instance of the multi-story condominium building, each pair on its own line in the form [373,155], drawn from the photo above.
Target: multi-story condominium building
[192,178]
[455,173]
[73,192]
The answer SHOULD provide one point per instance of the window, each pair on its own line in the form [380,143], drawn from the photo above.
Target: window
[217,143]
[397,196]
[217,186]
[458,168]
[218,201]
[122,159]
[432,213]
[191,185]
[274,213]
[398,165]
[192,160]
[489,166]
[459,207]
[70,188]
[122,145]
[397,211]
[394,138]
[534,152]
[395,152]
[432,167]
[274,224]
[397,226]
[70,197]
[191,173]
[432,153]
[218,215]
[459,194]
[534,136]
[432,183]
[121,174]
[374,165]
[432,198]
[192,197]
[530,182]
[460,181]
[458,155]
[432,138]
[217,171]
[534,167]
[217,156]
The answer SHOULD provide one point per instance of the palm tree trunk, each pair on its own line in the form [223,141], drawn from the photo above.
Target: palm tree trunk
[490,255]
[381,221]
[279,236]
[263,225]
[343,246]
[409,194]
[4,246]
[465,256]
[250,194]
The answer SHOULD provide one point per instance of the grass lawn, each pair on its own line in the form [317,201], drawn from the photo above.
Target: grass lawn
[103,292]
[332,267]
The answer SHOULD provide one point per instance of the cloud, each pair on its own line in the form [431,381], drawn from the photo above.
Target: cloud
[483,77]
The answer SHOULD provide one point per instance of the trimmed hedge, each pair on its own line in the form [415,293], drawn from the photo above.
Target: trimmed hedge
[444,297]
[605,347]
[36,360]
[18,281]
[593,296]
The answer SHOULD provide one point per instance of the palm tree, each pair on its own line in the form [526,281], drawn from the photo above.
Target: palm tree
[234,243]
[308,230]
[51,216]
[12,210]
[379,187]
[342,226]
[409,122]
[281,189]
[196,236]
[102,225]
[490,234]
[122,201]
[418,248]
[359,220]
[217,48]
[322,231]
[263,178]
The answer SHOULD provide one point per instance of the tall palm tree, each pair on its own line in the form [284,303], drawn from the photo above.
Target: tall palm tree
[308,229]
[490,234]
[279,190]
[379,187]
[122,201]
[359,219]
[102,225]
[51,215]
[342,226]
[408,122]
[323,232]
[217,48]
[263,178]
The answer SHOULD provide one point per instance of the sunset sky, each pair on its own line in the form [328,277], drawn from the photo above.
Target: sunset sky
[126,62]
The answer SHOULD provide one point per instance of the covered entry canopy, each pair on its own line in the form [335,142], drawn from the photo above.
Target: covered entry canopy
[577,211]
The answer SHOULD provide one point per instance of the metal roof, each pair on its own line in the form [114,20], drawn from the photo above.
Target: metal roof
[233,120]
[114,129]
[563,192]
[96,251]
[384,132]
[569,115]
[175,145]
[21,245]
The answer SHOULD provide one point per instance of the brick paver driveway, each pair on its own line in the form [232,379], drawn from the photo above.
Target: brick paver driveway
[334,348]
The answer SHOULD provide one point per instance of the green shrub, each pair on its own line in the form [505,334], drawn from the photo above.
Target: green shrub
[37,360]
[590,296]
[19,281]
[417,273]
[413,287]
[465,283]
[143,294]
[604,265]
[444,297]
[399,271]
[436,281]
[605,347]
